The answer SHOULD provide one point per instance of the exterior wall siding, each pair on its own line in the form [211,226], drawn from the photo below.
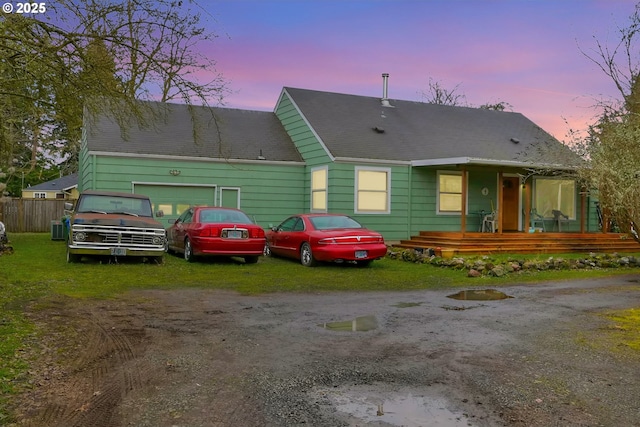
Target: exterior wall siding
[592,222]
[268,192]
[477,203]
[394,225]
[303,138]
[85,172]
[341,179]
[424,206]
[307,145]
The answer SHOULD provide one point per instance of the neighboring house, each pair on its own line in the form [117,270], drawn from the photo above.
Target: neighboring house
[65,187]
[398,167]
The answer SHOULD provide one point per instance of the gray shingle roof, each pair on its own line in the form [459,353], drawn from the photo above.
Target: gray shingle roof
[63,183]
[415,131]
[408,131]
[219,133]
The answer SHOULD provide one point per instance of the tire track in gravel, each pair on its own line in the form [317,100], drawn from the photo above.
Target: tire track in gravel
[101,373]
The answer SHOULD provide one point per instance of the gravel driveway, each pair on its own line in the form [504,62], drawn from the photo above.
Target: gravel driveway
[190,358]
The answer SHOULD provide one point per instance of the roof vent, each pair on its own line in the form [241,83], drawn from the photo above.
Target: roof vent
[378,129]
[515,140]
[385,90]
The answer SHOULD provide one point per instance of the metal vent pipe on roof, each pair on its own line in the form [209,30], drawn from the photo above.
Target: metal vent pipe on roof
[385,89]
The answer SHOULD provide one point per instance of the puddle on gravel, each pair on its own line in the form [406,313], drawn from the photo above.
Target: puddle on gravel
[359,324]
[407,304]
[399,410]
[480,295]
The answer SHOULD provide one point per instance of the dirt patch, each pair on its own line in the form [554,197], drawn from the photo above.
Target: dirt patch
[212,358]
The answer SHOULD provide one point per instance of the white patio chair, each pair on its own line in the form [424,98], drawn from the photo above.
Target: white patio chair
[558,219]
[489,222]
[537,219]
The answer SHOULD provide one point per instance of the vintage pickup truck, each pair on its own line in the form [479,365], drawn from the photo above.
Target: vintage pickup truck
[113,224]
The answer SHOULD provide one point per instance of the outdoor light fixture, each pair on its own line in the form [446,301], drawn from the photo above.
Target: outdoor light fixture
[174,172]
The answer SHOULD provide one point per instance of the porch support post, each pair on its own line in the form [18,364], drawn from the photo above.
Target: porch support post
[605,220]
[527,207]
[499,201]
[463,204]
[583,210]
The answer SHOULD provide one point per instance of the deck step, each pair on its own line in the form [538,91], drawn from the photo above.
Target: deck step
[521,243]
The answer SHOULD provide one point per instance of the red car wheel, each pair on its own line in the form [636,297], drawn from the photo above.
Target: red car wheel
[306,255]
[188,251]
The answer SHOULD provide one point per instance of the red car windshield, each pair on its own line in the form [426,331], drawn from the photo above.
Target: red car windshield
[333,222]
[213,216]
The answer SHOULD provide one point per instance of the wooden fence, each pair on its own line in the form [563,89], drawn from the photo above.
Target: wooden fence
[30,215]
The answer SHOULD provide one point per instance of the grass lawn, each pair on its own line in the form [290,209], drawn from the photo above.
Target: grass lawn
[37,268]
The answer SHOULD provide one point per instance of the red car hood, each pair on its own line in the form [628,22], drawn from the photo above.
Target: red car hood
[115,220]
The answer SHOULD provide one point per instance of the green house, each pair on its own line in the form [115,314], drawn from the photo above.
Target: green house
[399,167]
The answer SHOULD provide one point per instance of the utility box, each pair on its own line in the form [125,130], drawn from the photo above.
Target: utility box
[57,230]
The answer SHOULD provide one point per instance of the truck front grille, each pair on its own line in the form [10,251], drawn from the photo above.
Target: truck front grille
[128,237]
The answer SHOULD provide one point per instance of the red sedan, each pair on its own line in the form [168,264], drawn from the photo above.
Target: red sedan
[325,237]
[214,231]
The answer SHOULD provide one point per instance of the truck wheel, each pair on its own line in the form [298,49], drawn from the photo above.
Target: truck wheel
[72,257]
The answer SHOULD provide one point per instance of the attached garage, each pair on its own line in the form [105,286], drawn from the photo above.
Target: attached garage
[173,199]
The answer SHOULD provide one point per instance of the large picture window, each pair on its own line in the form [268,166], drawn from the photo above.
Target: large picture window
[449,192]
[372,190]
[555,194]
[319,189]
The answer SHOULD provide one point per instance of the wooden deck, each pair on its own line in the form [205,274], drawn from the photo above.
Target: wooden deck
[522,243]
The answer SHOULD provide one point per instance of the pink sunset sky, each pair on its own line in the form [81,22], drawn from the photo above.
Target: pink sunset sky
[526,53]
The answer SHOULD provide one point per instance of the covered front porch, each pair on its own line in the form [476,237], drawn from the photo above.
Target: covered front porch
[461,196]
[531,214]
[513,203]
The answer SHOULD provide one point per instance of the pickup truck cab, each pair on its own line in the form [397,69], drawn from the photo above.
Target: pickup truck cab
[114,224]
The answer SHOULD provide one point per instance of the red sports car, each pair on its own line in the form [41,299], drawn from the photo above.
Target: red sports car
[215,231]
[325,237]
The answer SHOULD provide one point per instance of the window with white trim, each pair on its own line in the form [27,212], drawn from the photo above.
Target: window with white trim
[372,193]
[449,192]
[39,195]
[551,194]
[319,189]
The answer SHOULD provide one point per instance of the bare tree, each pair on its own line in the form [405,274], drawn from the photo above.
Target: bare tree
[81,58]
[438,94]
[497,106]
[612,146]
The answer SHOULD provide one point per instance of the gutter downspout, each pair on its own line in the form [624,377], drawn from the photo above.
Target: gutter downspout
[410,202]
[463,212]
